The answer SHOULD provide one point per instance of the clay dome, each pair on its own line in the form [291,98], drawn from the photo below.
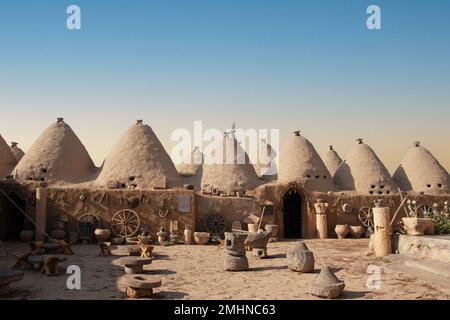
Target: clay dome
[17,152]
[264,168]
[300,162]
[191,173]
[420,171]
[7,159]
[234,172]
[57,157]
[332,160]
[138,160]
[363,172]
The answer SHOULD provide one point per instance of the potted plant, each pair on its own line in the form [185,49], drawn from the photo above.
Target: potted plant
[415,225]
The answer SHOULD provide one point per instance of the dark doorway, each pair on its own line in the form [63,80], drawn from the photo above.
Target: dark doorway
[292,213]
[12,219]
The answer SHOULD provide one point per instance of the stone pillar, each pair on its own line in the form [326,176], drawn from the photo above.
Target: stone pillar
[382,237]
[41,213]
[321,220]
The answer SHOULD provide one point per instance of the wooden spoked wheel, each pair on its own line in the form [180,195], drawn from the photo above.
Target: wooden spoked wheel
[425,211]
[87,224]
[365,215]
[125,223]
[215,224]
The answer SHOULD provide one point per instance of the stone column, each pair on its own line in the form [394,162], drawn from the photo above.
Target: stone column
[382,237]
[321,219]
[41,213]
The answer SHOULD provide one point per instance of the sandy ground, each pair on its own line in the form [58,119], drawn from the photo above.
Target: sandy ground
[195,272]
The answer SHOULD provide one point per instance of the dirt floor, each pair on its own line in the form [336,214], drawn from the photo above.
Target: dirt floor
[195,272]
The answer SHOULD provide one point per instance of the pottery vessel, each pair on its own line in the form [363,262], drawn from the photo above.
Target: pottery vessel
[273,229]
[356,231]
[27,235]
[418,226]
[102,234]
[201,237]
[253,227]
[341,230]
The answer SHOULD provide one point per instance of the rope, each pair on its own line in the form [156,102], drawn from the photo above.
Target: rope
[26,215]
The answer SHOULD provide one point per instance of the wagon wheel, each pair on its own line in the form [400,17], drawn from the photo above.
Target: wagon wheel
[87,224]
[425,211]
[215,224]
[365,215]
[125,223]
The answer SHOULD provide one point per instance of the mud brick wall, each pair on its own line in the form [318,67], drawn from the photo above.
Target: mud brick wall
[105,203]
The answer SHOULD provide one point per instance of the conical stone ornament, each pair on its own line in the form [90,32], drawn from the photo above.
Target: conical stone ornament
[327,285]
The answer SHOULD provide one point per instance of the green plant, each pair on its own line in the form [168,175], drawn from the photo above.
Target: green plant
[440,219]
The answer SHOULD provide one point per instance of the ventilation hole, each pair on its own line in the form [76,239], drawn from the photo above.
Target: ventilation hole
[30,178]
[42,179]
[308,176]
[134,186]
[372,186]
[132,178]
[381,187]
[439,185]
[371,192]
[123,185]
[388,192]
[380,192]
[324,177]
[317,177]
[44,170]
[428,185]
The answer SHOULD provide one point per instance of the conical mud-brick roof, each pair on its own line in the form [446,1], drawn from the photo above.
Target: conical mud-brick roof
[191,173]
[57,157]
[17,152]
[332,160]
[364,172]
[421,172]
[7,159]
[300,162]
[233,172]
[139,160]
[265,164]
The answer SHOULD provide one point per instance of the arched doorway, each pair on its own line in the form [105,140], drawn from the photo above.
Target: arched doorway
[292,214]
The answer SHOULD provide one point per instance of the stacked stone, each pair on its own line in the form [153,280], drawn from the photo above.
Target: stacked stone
[235,259]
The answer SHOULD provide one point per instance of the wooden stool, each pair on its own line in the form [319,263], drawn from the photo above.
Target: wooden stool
[105,249]
[65,247]
[146,251]
[50,266]
[22,261]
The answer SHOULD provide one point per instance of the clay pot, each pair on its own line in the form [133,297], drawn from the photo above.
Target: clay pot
[102,234]
[341,230]
[418,226]
[356,231]
[163,235]
[253,227]
[201,237]
[273,229]
[27,235]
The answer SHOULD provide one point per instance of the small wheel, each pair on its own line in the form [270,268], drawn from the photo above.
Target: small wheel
[425,211]
[215,224]
[125,223]
[365,215]
[87,224]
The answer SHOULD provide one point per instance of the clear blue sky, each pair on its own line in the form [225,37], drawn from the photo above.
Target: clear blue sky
[308,65]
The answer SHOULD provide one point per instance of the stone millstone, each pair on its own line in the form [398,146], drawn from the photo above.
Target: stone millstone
[235,263]
[140,286]
[133,264]
[300,259]
[327,285]
[140,281]
[258,240]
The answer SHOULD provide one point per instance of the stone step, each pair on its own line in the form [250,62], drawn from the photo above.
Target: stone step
[438,267]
